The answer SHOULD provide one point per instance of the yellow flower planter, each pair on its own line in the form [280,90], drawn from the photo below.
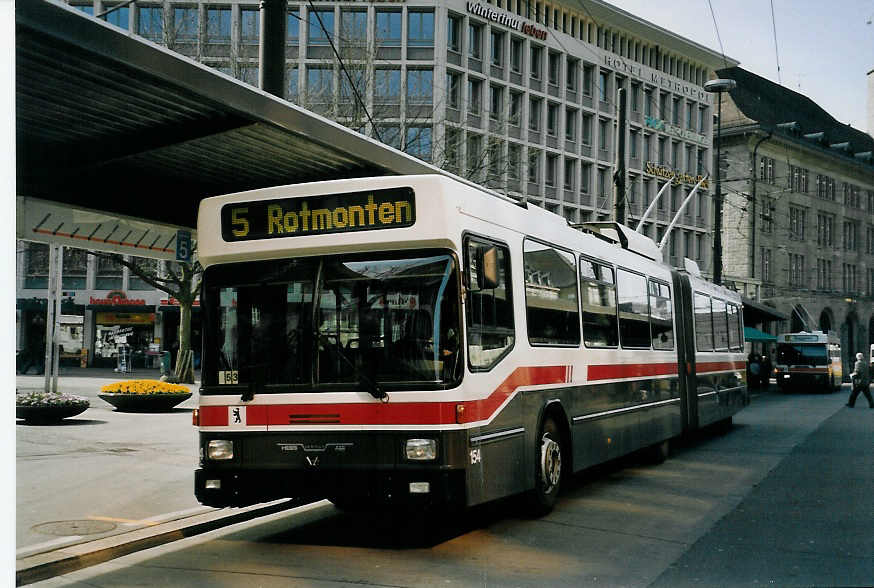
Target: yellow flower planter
[144,395]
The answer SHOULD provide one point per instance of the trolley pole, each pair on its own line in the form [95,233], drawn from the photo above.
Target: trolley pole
[619,176]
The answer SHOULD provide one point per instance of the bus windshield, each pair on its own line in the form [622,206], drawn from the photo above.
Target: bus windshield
[338,323]
[798,354]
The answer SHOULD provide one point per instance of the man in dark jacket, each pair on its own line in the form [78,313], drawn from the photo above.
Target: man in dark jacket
[861,382]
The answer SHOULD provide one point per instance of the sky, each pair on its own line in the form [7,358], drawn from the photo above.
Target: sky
[825,48]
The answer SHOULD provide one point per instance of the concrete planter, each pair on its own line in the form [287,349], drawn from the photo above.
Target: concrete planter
[145,402]
[47,415]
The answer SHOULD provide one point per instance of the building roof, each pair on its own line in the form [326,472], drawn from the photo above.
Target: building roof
[771,106]
[608,14]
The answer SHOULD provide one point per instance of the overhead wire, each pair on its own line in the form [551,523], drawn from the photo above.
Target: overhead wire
[330,37]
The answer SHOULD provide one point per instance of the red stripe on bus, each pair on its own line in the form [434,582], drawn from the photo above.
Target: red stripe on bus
[631,370]
[706,367]
[391,413]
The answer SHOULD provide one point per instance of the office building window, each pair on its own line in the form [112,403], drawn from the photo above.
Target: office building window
[150,22]
[418,142]
[552,118]
[572,77]
[420,28]
[388,28]
[536,59]
[535,105]
[515,115]
[474,95]
[475,156]
[250,26]
[120,17]
[292,26]
[453,33]
[587,129]
[420,86]
[185,24]
[588,77]
[475,41]
[321,27]
[292,79]
[534,166]
[387,86]
[453,90]
[496,102]
[514,161]
[320,84]
[554,68]
[586,178]
[602,86]
[497,48]
[570,124]
[516,55]
[353,27]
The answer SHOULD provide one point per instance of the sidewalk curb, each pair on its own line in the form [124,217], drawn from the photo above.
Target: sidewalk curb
[68,559]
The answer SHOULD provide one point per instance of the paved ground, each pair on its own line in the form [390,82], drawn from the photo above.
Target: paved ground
[784,499]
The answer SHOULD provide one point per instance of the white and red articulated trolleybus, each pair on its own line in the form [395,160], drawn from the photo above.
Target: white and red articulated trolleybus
[415,341]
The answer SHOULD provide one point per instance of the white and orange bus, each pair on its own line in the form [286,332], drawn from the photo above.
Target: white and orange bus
[809,361]
[414,340]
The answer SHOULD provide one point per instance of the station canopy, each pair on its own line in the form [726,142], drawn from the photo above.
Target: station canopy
[108,121]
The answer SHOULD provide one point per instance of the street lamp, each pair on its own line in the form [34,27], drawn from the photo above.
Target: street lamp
[718,86]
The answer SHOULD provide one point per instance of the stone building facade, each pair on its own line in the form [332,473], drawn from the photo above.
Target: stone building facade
[799,210]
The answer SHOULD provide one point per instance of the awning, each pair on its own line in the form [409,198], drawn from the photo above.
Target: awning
[757,312]
[754,335]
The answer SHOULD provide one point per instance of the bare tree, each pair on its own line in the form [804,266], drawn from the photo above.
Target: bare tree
[180,281]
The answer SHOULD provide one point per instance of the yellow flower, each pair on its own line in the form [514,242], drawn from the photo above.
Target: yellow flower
[143,387]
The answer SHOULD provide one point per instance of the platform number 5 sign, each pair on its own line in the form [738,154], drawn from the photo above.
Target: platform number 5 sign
[183,245]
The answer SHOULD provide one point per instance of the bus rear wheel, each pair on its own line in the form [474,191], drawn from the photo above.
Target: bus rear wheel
[548,469]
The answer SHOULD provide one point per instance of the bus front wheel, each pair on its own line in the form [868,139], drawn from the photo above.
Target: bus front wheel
[548,469]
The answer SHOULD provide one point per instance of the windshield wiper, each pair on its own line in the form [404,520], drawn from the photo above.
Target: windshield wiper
[372,386]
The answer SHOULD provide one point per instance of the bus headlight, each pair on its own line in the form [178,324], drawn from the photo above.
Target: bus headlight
[220,449]
[421,449]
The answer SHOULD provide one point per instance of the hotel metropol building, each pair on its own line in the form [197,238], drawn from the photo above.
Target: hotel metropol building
[519,95]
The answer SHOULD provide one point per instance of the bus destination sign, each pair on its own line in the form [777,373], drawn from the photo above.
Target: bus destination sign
[319,215]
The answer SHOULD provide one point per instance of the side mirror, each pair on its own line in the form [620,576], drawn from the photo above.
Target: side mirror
[487,268]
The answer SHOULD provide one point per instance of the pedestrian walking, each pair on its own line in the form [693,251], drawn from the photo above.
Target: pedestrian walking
[861,382]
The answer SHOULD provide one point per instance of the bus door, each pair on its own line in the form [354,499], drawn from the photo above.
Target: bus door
[683,310]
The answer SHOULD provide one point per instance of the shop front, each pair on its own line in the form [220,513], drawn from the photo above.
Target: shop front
[123,333]
[169,315]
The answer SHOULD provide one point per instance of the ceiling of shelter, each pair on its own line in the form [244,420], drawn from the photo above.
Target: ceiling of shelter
[108,121]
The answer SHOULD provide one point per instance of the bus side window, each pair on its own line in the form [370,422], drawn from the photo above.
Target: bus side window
[735,334]
[490,327]
[703,323]
[720,325]
[661,319]
[598,294]
[633,310]
[550,295]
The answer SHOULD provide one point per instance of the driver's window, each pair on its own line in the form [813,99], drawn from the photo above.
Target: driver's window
[490,326]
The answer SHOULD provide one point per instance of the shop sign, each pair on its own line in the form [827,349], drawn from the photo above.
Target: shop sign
[506,19]
[674,176]
[125,318]
[674,130]
[173,302]
[117,298]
